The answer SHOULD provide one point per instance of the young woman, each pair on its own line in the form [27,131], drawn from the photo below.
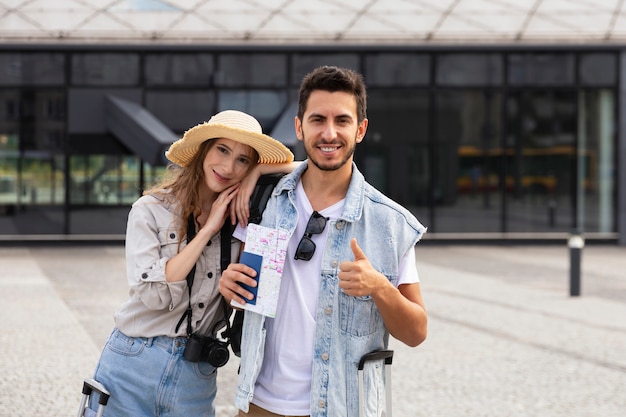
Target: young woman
[143,364]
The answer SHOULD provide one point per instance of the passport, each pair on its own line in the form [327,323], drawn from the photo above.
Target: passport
[254,261]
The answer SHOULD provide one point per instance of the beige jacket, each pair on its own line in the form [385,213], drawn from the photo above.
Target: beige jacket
[156,306]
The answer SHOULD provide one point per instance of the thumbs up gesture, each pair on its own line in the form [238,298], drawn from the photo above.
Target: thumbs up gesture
[359,278]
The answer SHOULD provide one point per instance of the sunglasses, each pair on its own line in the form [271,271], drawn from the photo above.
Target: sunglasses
[306,247]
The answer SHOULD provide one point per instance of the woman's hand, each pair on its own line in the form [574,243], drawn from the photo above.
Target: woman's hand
[219,210]
[240,209]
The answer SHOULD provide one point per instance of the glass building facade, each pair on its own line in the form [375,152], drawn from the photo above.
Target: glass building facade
[478,143]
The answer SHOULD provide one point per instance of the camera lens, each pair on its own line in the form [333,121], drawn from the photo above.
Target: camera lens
[218,356]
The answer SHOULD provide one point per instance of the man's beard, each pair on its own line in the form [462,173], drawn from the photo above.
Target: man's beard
[328,167]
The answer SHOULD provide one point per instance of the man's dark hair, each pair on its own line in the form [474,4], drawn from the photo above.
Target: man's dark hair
[332,79]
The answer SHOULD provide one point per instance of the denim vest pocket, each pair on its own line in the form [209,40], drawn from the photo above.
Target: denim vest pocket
[358,316]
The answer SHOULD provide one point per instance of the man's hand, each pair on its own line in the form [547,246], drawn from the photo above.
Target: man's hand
[359,278]
[229,283]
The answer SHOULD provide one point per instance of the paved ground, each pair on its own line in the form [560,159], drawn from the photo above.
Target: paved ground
[505,337]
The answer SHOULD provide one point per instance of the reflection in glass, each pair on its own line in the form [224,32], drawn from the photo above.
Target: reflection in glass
[394,154]
[265,105]
[178,69]
[105,69]
[540,160]
[598,69]
[252,70]
[469,69]
[32,69]
[181,109]
[468,182]
[387,69]
[302,64]
[104,179]
[541,69]
[596,170]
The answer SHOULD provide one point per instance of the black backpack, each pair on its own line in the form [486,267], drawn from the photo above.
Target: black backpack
[258,201]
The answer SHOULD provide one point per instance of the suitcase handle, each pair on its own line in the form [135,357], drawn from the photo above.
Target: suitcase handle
[90,385]
[375,355]
[387,355]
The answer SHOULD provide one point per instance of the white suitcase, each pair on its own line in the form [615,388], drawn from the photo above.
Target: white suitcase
[387,356]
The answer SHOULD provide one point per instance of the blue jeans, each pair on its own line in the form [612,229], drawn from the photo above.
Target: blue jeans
[148,377]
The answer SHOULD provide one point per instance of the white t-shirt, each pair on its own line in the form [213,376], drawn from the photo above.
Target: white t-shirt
[284,383]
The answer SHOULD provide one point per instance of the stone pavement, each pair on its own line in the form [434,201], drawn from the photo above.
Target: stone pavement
[505,338]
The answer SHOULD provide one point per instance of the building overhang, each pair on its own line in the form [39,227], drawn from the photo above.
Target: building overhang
[138,129]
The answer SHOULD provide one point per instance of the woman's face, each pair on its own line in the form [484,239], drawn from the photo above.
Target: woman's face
[226,163]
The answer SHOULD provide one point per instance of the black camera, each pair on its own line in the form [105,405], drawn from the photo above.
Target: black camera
[206,349]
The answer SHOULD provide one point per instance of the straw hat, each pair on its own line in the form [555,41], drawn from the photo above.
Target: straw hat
[234,125]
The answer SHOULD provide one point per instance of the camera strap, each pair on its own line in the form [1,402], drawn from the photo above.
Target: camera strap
[225,234]
[258,201]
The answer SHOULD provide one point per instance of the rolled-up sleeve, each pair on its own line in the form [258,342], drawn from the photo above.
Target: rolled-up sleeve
[151,240]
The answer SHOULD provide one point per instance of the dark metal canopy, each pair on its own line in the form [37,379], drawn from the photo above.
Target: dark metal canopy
[138,129]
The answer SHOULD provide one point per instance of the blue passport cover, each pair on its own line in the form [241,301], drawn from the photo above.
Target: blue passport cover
[254,261]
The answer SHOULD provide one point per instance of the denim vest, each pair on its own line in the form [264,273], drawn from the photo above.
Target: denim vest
[347,327]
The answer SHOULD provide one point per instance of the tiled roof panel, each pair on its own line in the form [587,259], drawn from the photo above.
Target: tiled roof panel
[311,21]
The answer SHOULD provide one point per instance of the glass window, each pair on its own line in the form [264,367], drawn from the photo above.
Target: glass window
[104,179]
[105,69]
[394,154]
[50,120]
[302,64]
[541,69]
[9,178]
[598,69]
[180,110]
[38,115]
[394,70]
[32,193]
[596,167]
[9,118]
[539,161]
[42,179]
[469,69]
[32,69]
[252,70]
[265,106]
[152,175]
[467,186]
[179,69]
[103,190]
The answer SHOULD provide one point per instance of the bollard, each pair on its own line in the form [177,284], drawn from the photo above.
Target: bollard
[576,244]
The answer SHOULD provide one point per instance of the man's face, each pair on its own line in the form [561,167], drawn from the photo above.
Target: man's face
[329,129]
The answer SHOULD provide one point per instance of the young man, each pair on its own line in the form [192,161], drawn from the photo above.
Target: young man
[349,278]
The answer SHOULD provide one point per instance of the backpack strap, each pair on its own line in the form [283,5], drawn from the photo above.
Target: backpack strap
[225,234]
[258,201]
[261,194]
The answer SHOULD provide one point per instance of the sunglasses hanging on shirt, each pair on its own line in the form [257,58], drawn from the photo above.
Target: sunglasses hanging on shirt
[306,247]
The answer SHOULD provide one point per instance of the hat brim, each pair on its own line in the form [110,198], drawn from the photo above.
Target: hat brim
[269,149]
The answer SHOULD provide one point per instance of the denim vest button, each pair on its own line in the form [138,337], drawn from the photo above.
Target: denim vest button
[334,264]
[325,356]
[339,225]
[321,403]
[328,310]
